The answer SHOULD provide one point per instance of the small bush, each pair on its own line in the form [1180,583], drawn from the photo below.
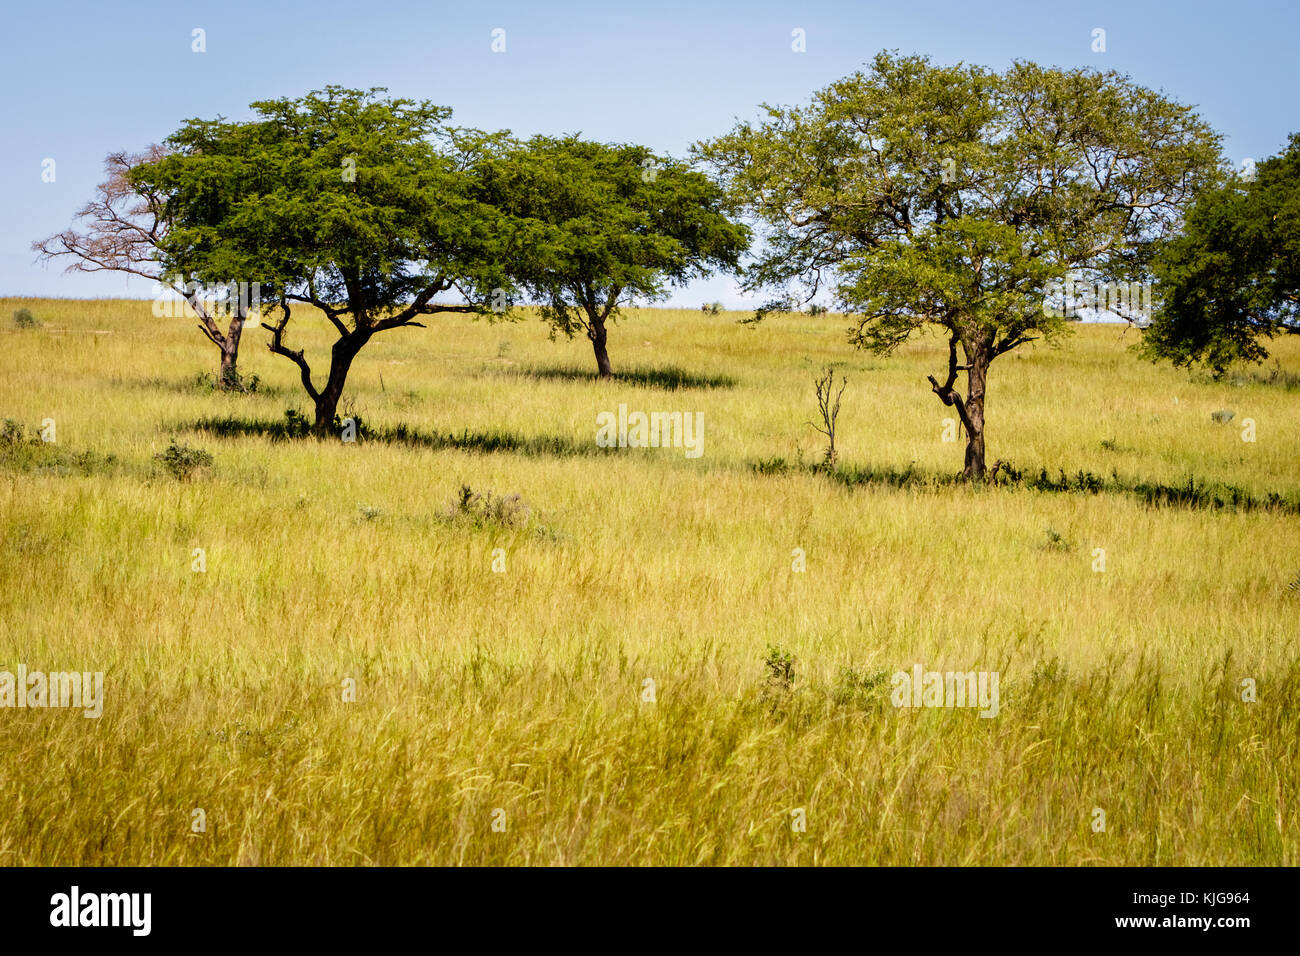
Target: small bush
[233,381]
[859,688]
[778,688]
[24,319]
[183,462]
[780,669]
[12,434]
[296,424]
[1055,542]
[771,466]
[25,452]
[480,510]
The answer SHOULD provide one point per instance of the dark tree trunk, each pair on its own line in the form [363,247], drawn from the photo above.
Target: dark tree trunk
[976,378]
[230,353]
[227,342]
[597,335]
[229,374]
[327,402]
[979,353]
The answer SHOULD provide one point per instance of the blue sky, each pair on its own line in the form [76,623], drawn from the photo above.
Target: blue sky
[83,79]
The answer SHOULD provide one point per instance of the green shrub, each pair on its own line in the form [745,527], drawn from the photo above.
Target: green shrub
[183,462]
[771,466]
[12,434]
[854,688]
[780,668]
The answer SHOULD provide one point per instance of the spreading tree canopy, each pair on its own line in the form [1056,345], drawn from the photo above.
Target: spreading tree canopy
[356,205]
[617,223]
[1231,279]
[958,198]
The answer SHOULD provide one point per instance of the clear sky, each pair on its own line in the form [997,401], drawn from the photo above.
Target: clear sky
[83,79]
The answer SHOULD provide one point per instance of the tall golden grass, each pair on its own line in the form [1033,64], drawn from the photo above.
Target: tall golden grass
[517,698]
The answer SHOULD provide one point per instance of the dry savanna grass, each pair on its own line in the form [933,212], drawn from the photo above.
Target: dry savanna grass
[501,716]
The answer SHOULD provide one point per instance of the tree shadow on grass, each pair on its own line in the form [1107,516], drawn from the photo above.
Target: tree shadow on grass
[202,383]
[1192,494]
[480,441]
[667,377]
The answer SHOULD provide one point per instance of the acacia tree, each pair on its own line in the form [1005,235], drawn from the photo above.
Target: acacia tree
[956,198]
[122,230]
[1231,279]
[618,223]
[356,206]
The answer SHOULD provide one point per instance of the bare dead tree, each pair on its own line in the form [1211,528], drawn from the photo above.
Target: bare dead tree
[120,230]
[830,411]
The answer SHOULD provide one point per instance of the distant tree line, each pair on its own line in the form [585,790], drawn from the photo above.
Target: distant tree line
[919,196]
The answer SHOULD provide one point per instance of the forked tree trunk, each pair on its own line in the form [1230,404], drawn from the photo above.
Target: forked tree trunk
[597,334]
[327,401]
[977,376]
[230,353]
[229,374]
[227,342]
[979,353]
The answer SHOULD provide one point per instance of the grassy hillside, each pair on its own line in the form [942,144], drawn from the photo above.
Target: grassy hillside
[522,691]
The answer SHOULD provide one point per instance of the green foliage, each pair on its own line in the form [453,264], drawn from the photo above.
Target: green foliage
[12,434]
[859,688]
[358,205]
[611,223]
[232,381]
[339,197]
[776,465]
[183,462]
[23,452]
[955,195]
[1231,280]
[23,319]
[960,198]
[296,424]
[780,669]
